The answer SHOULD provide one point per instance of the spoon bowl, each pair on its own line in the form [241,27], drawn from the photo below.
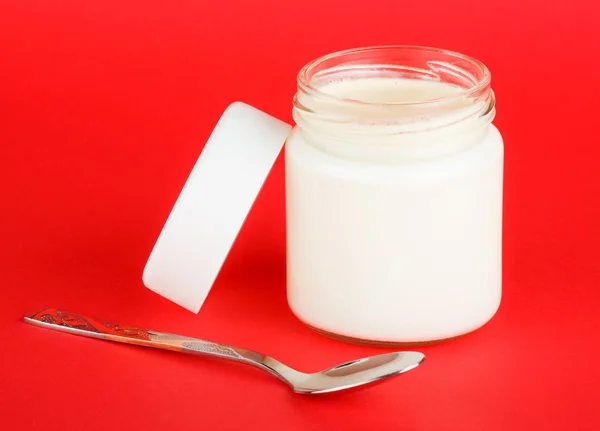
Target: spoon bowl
[359,372]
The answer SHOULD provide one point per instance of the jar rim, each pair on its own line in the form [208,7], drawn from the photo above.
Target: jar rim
[480,82]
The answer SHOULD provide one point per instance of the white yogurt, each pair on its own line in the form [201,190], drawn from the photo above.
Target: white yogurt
[394,227]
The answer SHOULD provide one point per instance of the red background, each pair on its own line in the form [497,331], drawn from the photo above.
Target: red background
[105,106]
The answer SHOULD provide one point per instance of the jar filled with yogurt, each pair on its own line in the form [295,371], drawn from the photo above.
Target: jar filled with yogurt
[394,176]
[394,196]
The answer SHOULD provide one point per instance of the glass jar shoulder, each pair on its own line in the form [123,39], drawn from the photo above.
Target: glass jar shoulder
[304,153]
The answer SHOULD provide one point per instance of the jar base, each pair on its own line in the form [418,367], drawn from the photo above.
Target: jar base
[377,343]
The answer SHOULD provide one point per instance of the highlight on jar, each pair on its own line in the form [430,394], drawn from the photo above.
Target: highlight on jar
[393,179]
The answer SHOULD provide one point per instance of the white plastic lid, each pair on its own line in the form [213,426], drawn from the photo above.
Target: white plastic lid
[213,205]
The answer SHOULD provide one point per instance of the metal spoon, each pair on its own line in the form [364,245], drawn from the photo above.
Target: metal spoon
[344,376]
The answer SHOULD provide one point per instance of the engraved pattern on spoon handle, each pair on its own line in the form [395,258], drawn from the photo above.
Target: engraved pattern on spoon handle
[195,345]
[89,327]
[208,347]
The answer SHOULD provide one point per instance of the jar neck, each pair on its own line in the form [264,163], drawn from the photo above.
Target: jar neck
[393,103]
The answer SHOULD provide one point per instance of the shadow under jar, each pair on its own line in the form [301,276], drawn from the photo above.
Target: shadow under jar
[394,196]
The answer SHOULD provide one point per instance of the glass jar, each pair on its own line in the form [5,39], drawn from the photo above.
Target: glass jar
[394,196]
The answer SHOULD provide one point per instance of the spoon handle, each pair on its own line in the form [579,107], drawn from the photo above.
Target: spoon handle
[81,325]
